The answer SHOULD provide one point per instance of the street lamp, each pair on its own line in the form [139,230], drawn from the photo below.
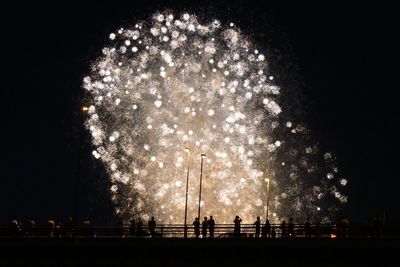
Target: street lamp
[187,187]
[84,110]
[201,179]
[267,180]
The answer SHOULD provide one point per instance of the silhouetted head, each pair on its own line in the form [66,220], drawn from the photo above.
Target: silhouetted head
[237,217]
[258,218]
[152,218]
[211,217]
[205,218]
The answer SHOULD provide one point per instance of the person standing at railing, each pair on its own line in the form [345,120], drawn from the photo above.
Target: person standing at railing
[57,229]
[291,227]
[139,227]
[317,230]
[196,225]
[273,233]
[68,227]
[211,225]
[237,222]
[88,227]
[30,228]
[307,229]
[267,229]
[132,227]
[204,226]
[283,229]
[15,228]
[51,224]
[152,226]
[257,224]
[119,228]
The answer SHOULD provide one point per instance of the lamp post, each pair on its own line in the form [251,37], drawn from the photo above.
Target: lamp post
[267,180]
[82,113]
[201,179]
[187,187]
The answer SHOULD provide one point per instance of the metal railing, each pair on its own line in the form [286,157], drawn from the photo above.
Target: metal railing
[220,231]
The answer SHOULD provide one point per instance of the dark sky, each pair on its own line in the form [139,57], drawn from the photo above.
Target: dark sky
[342,57]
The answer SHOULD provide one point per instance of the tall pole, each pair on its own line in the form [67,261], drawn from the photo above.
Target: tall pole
[201,180]
[187,187]
[78,171]
[267,197]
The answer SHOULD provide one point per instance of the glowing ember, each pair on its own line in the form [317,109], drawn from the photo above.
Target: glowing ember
[175,83]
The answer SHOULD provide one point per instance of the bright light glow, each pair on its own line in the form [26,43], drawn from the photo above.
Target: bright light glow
[174,83]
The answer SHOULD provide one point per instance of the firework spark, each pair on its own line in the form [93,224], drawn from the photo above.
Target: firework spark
[175,83]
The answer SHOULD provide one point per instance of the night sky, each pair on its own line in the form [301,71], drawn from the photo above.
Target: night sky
[340,57]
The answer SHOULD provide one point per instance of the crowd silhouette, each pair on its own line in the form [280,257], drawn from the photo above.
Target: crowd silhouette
[205,228]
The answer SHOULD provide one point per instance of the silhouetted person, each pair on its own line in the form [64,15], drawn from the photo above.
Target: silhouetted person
[211,225]
[342,227]
[267,229]
[257,224]
[119,228]
[291,227]
[87,227]
[31,227]
[139,227]
[237,222]
[57,229]
[273,233]
[132,227]
[15,228]
[317,230]
[152,226]
[346,224]
[307,229]
[196,225]
[204,226]
[283,229]
[68,227]
[51,224]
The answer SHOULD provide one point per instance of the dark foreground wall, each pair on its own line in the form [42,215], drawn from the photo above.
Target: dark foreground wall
[217,252]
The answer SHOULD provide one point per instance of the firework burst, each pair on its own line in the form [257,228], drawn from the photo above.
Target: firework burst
[173,83]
